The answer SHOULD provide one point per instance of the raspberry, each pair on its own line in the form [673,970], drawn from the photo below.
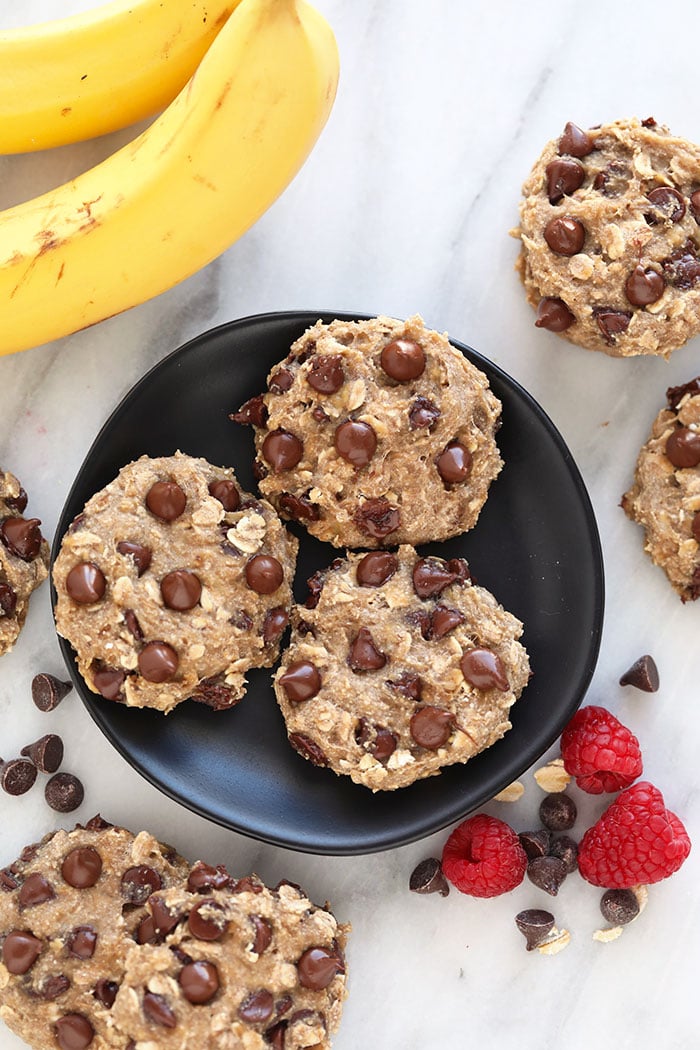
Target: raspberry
[601,753]
[484,857]
[637,840]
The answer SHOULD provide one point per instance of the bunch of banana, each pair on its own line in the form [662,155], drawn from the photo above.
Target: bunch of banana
[89,74]
[180,193]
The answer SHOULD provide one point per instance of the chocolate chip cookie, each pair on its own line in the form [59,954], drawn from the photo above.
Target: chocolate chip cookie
[24,559]
[398,665]
[374,433]
[111,940]
[665,496]
[172,583]
[610,236]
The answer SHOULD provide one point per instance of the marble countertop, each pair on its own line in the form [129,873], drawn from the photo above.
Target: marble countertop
[405,206]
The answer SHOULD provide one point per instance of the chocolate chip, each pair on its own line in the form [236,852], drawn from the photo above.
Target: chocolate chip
[209,927]
[443,620]
[326,373]
[20,951]
[8,600]
[619,906]
[558,811]
[263,934]
[300,681]
[563,177]
[431,727]
[427,877]
[535,843]
[82,941]
[683,447]
[108,681]
[133,625]
[74,1032]
[274,624]
[378,741]
[36,889]
[318,966]
[644,286]
[554,315]
[106,992]
[276,1035]
[48,691]
[575,141]
[454,463]
[264,574]
[140,555]
[298,508]
[377,517]
[18,502]
[682,267]
[669,205]
[695,205]
[22,537]
[612,180]
[460,567]
[281,381]
[181,590]
[695,527]
[675,394]
[643,674]
[164,920]
[282,450]
[98,823]
[403,360]
[17,775]
[8,880]
[253,412]
[565,849]
[376,568]
[319,414]
[547,873]
[408,684]
[199,982]
[535,924]
[355,442]
[158,1010]
[611,322]
[484,669]
[431,576]
[308,749]
[565,235]
[139,882]
[257,1007]
[53,987]
[85,583]
[64,792]
[226,492]
[364,654]
[46,753]
[82,867]
[423,414]
[158,662]
[166,500]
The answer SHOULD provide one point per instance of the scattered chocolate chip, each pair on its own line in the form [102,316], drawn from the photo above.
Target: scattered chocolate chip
[675,394]
[17,775]
[431,727]
[199,982]
[644,286]
[274,625]
[301,681]
[554,315]
[257,1007]
[575,141]
[209,927]
[181,590]
[253,412]
[318,966]
[64,792]
[263,934]
[18,502]
[565,235]
[619,906]
[563,177]
[298,508]
[535,843]
[682,267]
[566,849]
[53,987]
[20,951]
[408,684]
[226,492]
[427,877]
[157,1009]
[611,322]
[281,381]
[140,555]
[166,500]
[454,463]
[643,674]
[547,873]
[558,811]
[46,753]
[403,360]
[443,620]
[377,517]
[326,373]
[683,447]
[308,749]
[669,205]
[431,576]
[378,741]
[282,450]
[106,992]
[158,662]
[36,889]
[22,537]
[82,941]
[264,574]
[376,568]
[139,882]
[484,669]
[423,414]
[355,442]
[85,583]
[364,654]
[82,867]
[535,924]
[108,681]
[8,600]
[74,1032]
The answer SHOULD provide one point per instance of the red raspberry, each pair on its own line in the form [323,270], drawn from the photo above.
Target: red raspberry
[601,753]
[484,857]
[637,840]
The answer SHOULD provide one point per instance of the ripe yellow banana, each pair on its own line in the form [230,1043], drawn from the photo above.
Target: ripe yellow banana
[92,73]
[174,198]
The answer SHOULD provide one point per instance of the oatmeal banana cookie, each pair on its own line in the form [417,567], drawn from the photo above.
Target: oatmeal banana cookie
[610,236]
[665,496]
[172,583]
[376,433]
[24,559]
[399,665]
[113,941]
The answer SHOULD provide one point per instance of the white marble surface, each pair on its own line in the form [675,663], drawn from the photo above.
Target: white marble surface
[405,206]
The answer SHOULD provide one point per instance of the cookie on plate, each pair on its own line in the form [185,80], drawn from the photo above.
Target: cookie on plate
[375,433]
[24,559]
[398,666]
[172,583]
[665,496]
[610,237]
[112,940]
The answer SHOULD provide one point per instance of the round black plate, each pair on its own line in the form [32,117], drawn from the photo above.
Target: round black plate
[535,547]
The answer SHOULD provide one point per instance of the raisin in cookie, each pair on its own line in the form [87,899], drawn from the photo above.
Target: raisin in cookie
[174,583]
[376,433]
[24,559]
[665,496]
[111,940]
[610,235]
[398,666]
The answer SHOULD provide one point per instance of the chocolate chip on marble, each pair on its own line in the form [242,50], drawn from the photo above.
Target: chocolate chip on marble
[274,624]
[264,574]
[139,882]
[82,941]
[282,450]
[82,867]
[74,1032]
[611,322]
[209,927]
[53,987]
[558,811]
[298,508]
[20,951]
[36,889]
[669,205]
[427,877]
[158,662]
[166,500]
[565,849]
[575,141]
[431,576]
[86,583]
[535,843]
[108,681]
[8,600]
[199,982]
[262,938]
[403,360]
[157,1009]
[443,620]
[408,684]
[364,654]
[683,448]
[22,537]
[644,286]
[682,267]
[619,906]
[140,555]
[431,727]
[281,381]
[301,681]
[454,463]
[377,517]
[181,590]
[484,669]
[318,966]
[326,373]
[563,176]
[535,924]
[257,1007]
[308,749]
[18,502]
[553,314]
[355,442]
[253,412]
[423,414]
[105,992]
[17,775]
[643,674]
[547,873]
[226,492]
[64,792]
[565,235]
[376,568]
[377,740]
[46,753]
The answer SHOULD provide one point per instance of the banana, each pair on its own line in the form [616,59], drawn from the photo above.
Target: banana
[92,73]
[180,193]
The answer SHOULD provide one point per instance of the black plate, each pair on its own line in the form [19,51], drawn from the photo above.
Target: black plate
[535,546]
